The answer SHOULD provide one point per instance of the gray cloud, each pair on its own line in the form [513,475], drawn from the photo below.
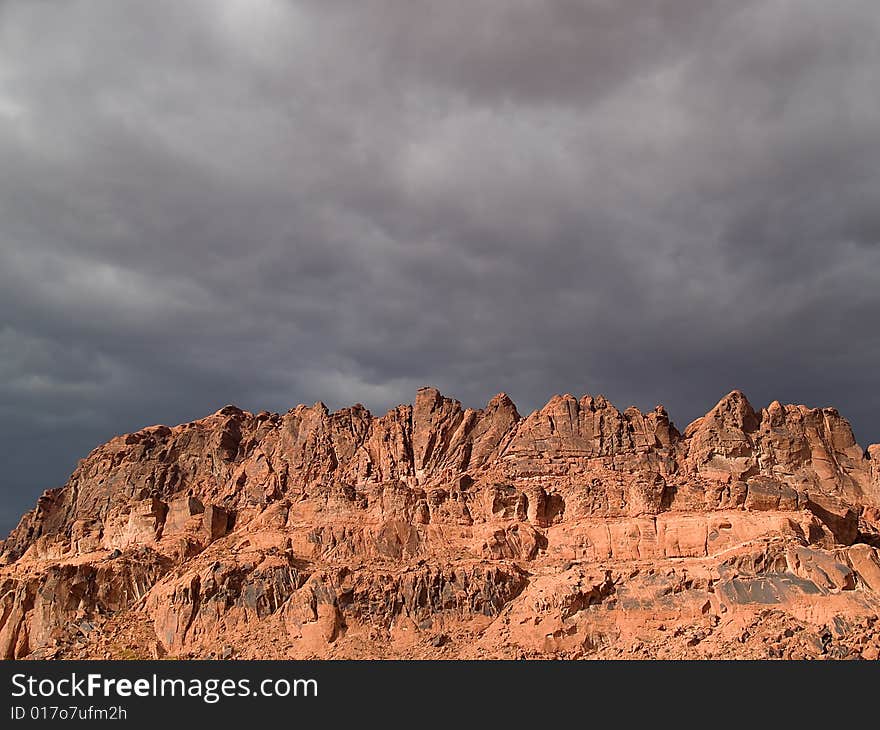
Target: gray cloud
[269,202]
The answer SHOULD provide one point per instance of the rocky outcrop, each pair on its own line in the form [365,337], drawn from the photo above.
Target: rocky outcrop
[806,448]
[40,607]
[439,528]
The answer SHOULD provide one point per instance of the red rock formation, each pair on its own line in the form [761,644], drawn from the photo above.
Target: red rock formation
[578,530]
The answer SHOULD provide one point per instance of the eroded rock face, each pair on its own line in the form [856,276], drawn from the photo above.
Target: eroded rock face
[435,529]
[45,604]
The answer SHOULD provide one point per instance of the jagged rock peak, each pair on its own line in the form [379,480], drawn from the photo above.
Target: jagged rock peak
[434,515]
[502,402]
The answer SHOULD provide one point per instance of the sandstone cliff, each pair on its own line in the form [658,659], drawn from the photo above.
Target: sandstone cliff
[435,530]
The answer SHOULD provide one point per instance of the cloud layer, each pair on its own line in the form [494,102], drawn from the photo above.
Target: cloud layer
[268,202]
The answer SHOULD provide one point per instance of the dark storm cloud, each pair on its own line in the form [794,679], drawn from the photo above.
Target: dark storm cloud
[273,202]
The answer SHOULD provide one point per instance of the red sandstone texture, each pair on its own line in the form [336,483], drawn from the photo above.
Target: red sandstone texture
[434,531]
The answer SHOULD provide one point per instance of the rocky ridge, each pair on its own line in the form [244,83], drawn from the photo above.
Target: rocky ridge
[440,531]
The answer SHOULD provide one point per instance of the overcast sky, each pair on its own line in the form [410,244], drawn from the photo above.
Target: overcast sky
[268,202]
